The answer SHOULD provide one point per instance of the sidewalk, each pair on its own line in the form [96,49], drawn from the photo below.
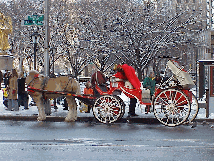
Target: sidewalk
[59,115]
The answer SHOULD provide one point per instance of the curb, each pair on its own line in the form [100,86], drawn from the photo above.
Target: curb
[90,119]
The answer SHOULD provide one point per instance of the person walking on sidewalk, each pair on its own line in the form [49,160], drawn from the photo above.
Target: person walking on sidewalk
[22,94]
[12,97]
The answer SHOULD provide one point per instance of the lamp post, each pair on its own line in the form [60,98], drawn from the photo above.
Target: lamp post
[53,50]
[103,59]
[35,37]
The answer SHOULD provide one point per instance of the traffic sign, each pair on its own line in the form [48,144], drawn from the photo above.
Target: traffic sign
[33,20]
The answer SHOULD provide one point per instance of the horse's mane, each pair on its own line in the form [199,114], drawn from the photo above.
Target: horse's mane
[31,75]
[33,72]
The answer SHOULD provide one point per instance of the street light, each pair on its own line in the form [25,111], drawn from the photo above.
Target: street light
[35,37]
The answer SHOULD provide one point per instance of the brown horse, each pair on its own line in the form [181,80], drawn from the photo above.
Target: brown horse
[41,87]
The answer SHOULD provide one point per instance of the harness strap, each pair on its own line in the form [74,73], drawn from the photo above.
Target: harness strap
[44,83]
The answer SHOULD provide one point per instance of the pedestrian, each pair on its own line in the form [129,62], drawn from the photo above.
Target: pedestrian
[59,99]
[5,93]
[127,72]
[6,79]
[149,83]
[12,97]
[1,78]
[65,104]
[5,96]
[22,93]
[158,79]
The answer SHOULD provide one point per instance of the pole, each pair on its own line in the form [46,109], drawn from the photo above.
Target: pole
[21,64]
[53,52]
[35,47]
[46,56]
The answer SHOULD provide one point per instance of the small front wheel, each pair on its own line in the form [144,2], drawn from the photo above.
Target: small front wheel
[108,109]
[171,107]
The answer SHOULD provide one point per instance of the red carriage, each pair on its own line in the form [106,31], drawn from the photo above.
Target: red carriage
[173,103]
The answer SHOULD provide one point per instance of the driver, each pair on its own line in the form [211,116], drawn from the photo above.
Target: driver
[127,72]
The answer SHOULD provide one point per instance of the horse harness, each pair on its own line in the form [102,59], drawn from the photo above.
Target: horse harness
[44,83]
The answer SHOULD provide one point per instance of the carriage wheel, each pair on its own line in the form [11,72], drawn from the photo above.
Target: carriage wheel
[193,111]
[123,107]
[108,109]
[171,107]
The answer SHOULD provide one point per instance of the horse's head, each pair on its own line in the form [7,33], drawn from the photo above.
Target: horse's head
[33,74]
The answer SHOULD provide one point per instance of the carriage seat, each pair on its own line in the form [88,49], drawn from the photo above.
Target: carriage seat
[99,79]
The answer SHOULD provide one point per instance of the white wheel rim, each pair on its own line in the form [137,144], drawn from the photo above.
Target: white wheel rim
[171,107]
[107,109]
[194,109]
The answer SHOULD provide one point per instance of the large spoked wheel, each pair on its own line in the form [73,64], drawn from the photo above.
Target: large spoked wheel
[108,109]
[194,110]
[123,107]
[171,107]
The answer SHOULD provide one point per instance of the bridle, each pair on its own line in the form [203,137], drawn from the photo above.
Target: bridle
[31,88]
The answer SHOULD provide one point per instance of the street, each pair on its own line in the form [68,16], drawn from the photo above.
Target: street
[31,140]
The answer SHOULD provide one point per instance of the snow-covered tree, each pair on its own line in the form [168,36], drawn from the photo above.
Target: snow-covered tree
[105,32]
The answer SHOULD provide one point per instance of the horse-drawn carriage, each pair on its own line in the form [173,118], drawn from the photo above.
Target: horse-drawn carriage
[173,103]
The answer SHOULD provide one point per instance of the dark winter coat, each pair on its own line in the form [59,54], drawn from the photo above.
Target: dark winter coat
[21,85]
[149,83]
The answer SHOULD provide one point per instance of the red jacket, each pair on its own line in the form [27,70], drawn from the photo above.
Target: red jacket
[88,91]
[120,75]
[129,73]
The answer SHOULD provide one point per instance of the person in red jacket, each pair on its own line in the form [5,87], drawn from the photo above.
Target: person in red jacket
[127,72]
[88,90]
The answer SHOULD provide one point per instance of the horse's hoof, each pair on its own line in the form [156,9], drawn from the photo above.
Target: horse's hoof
[41,119]
[69,120]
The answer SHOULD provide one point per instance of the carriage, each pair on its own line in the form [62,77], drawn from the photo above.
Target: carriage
[173,102]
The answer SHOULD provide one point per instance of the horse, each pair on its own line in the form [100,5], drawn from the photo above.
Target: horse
[41,87]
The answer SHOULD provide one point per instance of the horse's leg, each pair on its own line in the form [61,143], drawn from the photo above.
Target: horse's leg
[40,105]
[72,114]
